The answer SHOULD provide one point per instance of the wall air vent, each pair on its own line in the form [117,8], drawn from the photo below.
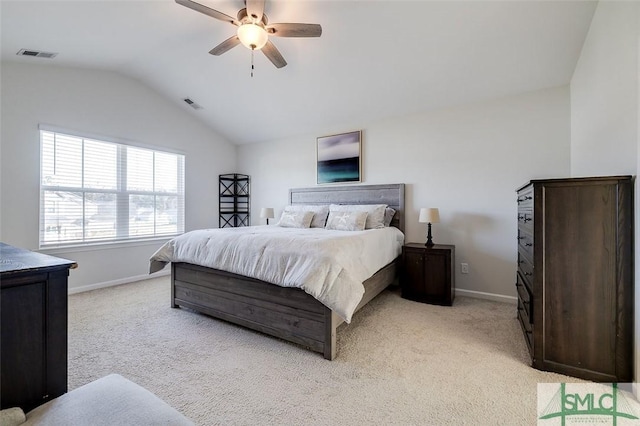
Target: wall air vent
[192,104]
[36,53]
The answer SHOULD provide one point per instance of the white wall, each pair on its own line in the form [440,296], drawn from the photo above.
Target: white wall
[605,109]
[604,92]
[467,161]
[107,104]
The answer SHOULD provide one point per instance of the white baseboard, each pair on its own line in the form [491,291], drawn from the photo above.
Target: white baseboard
[488,296]
[120,281]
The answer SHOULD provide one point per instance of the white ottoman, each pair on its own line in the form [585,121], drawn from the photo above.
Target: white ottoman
[111,400]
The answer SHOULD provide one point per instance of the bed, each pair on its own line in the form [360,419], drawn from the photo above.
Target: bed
[285,312]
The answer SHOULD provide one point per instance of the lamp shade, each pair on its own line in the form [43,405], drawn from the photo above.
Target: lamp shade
[429,216]
[266,213]
[252,36]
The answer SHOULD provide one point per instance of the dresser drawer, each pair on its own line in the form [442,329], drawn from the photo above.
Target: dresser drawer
[525,269]
[526,327]
[525,220]
[524,296]
[525,197]
[525,242]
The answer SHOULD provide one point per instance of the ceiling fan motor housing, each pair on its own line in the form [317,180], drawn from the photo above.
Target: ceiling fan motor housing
[244,18]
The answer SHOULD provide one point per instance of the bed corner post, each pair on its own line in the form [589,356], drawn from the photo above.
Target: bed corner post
[330,325]
[173,285]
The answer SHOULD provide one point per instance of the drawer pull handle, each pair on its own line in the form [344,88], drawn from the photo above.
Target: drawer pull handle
[520,238]
[527,219]
[529,244]
[528,274]
[520,262]
[523,199]
[520,217]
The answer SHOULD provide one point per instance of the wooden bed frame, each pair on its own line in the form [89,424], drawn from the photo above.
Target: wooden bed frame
[285,312]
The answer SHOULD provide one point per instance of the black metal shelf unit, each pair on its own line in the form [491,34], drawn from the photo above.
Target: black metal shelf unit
[234,206]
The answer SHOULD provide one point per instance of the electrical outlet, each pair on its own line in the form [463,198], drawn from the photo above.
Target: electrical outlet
[464,268]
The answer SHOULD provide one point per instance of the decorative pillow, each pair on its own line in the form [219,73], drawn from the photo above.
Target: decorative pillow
[375,217]
[388,216]
[291,219]
[347,221]
[320,213]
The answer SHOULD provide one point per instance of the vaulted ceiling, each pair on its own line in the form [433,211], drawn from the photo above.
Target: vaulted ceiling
[375,59]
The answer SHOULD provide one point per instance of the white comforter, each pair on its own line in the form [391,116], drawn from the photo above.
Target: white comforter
[328,265]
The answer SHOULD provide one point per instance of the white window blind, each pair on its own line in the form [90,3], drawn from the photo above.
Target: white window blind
[95,191]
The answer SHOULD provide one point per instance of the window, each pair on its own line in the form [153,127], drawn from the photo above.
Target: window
[93,191]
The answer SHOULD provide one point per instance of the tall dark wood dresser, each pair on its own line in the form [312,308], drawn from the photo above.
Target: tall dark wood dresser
[33,327]
[575,275]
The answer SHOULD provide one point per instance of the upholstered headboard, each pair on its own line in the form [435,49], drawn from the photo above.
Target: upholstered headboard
[392,195]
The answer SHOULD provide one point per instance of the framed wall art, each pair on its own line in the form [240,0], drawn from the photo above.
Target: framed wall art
[339,158]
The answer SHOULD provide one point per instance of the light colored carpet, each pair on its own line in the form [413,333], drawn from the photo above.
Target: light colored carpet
[399,362]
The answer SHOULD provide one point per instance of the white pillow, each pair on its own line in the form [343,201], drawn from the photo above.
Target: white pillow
[320,213]
[375,217]
[388,216]
[347,221]
[291,219]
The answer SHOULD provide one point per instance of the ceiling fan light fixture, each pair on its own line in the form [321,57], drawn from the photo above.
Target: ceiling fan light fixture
[252,36]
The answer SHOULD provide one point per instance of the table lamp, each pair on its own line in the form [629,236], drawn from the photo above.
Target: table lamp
[429,216]
[266,213]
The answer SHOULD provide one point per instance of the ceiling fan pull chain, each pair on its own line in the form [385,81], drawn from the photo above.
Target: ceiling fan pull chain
[252,50]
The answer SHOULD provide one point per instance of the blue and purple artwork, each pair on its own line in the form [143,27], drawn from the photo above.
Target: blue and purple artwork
[339,158]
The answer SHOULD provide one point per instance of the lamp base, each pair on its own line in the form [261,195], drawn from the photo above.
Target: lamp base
[429,242]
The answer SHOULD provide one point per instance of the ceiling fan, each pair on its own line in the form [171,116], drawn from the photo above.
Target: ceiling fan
[254,29]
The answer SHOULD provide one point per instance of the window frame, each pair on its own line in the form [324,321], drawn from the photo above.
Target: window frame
[121,193]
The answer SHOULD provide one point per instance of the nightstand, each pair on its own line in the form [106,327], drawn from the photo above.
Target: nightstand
[427,273]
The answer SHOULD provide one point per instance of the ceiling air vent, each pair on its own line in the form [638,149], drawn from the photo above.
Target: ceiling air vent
[192,104]
[36,53]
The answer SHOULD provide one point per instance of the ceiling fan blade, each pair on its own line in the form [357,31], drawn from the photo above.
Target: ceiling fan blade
[228,44]
[255,9]
[294,30]
[274,55]
[207,11]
